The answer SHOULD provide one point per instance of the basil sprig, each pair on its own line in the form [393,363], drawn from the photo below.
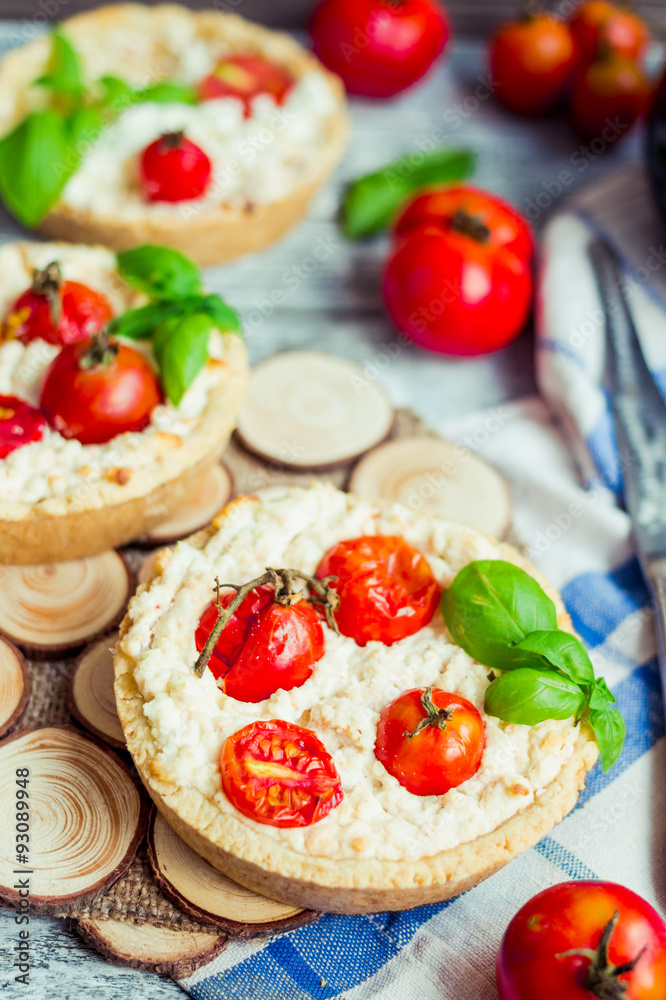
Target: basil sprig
[179,319]
[371,202]
[500,615]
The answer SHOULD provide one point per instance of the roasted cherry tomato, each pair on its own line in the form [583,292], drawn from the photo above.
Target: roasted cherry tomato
[20,424]
[264,647]
[173,169]
[430,740]
[245,77]
[60,312]
[386,587]
[571,941]
[280,774]
[599,24]
[531,62]
[96,389]
[499,224]
[608,96]
[379,47]
[454,292]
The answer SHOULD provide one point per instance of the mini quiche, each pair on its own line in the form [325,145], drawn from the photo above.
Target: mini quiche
[198,130]
[120,380]
[333,751]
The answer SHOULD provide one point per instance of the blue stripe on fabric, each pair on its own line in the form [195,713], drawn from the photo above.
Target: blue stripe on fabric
[603,447]
[563,859]
[660,379]
[599,602]
[258,976]
[564,350]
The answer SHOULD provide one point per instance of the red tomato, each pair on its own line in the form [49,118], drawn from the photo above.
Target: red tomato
[264,647]
[245,77]
[608,96]
[599,23]
[430,740]
[60,312]
[92,394]
[451,293]
[533,963]
[386,587]
[531,62]
[505,226]
[379,47]
[20,424]
[173,169]
[280,774]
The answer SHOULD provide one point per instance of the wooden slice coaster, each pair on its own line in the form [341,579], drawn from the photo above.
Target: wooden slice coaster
[14,686]
[85,820]
[154,949]
[90,696]
[207,895]
[54,607]
[435,476]
[309,410]
[210,496]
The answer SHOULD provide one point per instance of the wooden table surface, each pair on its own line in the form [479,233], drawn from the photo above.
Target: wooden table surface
[333,304]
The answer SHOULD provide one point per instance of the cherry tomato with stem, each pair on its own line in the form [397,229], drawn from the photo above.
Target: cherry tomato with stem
[20,424]
[598,24]
[531,62]
[174,169]
[608,97]
[245,77]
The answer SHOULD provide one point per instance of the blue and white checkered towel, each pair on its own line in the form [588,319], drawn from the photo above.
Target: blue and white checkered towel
[566,489]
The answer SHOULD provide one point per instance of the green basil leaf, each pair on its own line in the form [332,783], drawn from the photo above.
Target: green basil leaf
[37,159]
[117,96]
[140,324]
[490,607]
[180,346]
[85,127]
[561,650]
[528,696]
[371,202]
[160,272]
[601,696]
[65,72]
[609,731]
[224,317]
[168,92]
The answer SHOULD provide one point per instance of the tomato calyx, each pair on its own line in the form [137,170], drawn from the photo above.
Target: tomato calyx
[603,978]
[284,583]
[171,140]
[101,353]
[470,225]
[47,282]
[438,717]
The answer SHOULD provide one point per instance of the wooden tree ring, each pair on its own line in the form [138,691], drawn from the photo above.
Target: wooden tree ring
[14,686]
[435,476]
[154,949]
[90,694]
[309,410]
[208,895]
[86,816]
[211,494]
[51,608]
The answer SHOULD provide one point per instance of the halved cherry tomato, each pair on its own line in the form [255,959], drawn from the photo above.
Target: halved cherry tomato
[531,62]
[20,424]
[386,587]
[245,77]
[503,224]
[174,169]
[95,390]
[60,312]
[597,24]
[430,740]
[608,96]
[264,647]
[280,774]
[554,946]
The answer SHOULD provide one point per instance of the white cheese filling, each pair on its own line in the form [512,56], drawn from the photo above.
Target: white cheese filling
[190,718]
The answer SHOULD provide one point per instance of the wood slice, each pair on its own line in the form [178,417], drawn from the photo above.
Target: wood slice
[51,608]
[309,410]
[207,895]
[435,476]
[212,493]
[148,565]
[90,696]
[87,816]
[154,949]
[14,686]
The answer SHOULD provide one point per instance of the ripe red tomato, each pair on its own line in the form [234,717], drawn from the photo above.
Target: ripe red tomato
[173,169]
[386,587]
[531,62]
[430,740]
[441,207]
[608,96]
[599,23]
[264,647]
[92,393]
[453,293]
[20,424]
[245,77]
[535,961]
[60,312]
[379,47]
[280,774]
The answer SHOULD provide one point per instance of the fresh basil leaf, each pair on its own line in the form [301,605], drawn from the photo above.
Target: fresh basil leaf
[601,696]
[609,731]
[118,96]
[85,127]
[527,696]
[561,650]
[371,202]
[490,607]
[168,93]
[225,318]
[160,272]
[180,346]
[65,72]
[140,324]
[37,159]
